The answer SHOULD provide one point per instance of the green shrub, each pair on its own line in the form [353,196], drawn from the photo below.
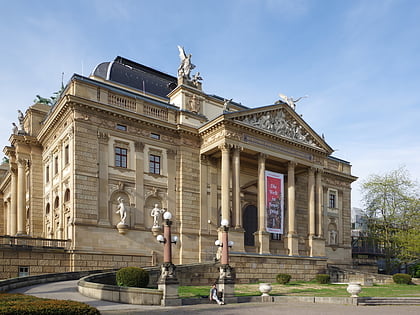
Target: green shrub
[401,278]
[132,277]
[322,278]
[415,270]
[283,278]
[20,304]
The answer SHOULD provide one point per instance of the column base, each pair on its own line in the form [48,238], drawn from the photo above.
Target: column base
[293,244]
[237,236]
[262,239]
[316,246]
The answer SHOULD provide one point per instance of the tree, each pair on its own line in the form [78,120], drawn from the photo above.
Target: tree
[392,211]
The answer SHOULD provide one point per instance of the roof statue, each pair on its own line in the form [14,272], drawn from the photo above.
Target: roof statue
[226,104]
[196,79]
[185,66]
[290,101]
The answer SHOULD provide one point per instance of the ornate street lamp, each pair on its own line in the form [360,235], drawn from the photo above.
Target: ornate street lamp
[226,280]
[168,281]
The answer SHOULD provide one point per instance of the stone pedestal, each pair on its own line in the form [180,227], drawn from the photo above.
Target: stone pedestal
[237,236]
[122,228]
[168,283]
[226,283]
[293,244]
[317,246]
[262,238]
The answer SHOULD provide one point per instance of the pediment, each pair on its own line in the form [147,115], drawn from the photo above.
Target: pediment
[281,121]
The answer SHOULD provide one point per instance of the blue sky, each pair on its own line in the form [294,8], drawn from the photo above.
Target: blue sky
[359,61]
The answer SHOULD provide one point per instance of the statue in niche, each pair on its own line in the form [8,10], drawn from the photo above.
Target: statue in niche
[290,101]
[333,237]
[185,66]
[122,211]
[194,104]
[156,212]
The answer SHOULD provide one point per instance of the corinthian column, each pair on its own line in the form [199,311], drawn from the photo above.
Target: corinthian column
[21,200]
[236,189]
[311,201]
[318,189]
[261,193]
[13,202]
[225,182]
[263,237]
[292,239]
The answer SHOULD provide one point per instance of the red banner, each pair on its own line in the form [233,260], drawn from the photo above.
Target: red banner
[274,190]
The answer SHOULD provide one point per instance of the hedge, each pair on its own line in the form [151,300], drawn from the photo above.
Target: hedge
[132,277]
[20,304]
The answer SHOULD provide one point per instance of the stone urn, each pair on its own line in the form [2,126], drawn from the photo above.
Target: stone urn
[265,288]
[354,288]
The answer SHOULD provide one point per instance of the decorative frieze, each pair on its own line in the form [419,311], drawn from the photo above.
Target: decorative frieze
[279,123]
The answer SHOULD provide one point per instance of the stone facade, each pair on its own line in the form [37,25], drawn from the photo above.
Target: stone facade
[172,145]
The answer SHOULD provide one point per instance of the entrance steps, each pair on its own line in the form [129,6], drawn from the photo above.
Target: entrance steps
[375,301]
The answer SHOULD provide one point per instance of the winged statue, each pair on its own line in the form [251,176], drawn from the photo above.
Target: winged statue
[185,66]
[290,101]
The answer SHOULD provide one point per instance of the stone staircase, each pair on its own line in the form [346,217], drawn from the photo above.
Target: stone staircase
[375,301]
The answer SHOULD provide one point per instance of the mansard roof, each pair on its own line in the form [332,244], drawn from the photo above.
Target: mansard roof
[137,76]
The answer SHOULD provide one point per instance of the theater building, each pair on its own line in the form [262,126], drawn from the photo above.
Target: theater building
[131,138]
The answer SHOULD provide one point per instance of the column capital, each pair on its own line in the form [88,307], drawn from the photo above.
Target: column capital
[139,146]
[224,147]
[171,153]
[292,164]
[262,156]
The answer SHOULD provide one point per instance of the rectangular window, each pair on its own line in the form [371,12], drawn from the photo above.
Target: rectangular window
[120,157]
[66,154]
[155,136]
[23,271]
[333,200]
[47,173]
[55,165]
[154,164]
[121,127]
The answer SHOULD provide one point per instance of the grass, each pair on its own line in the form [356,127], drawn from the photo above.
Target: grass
[310,289]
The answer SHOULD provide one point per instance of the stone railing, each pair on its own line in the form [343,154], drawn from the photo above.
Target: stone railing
[157,112]
[122,101]
[27,242]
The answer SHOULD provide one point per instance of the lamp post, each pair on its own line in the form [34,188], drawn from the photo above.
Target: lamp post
[226,280]
[168,281]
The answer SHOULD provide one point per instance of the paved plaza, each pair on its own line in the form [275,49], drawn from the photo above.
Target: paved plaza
[67,290]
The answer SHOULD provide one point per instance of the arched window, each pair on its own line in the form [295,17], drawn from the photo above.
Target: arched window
[47,209]
[56,202]
[67,195]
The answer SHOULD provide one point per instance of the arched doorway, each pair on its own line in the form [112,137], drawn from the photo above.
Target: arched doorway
[250,222]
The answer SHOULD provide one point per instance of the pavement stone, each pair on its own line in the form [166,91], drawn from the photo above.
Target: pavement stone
[67,290]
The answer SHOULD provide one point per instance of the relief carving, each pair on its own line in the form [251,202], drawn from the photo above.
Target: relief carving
[278,123]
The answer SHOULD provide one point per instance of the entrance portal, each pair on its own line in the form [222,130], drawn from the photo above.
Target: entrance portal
[250,221]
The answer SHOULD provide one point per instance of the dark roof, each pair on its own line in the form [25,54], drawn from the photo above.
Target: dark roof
[137,76]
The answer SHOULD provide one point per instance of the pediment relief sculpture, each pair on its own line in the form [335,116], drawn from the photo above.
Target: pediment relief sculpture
[278,123]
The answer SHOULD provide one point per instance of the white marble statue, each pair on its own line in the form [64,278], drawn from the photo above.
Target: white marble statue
[333,237]
[122,210]
[290,101]
[21,119]
[156,212]
[14,129]
[186,66]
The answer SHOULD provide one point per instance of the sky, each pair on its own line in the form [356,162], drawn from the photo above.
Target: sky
[358,61]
